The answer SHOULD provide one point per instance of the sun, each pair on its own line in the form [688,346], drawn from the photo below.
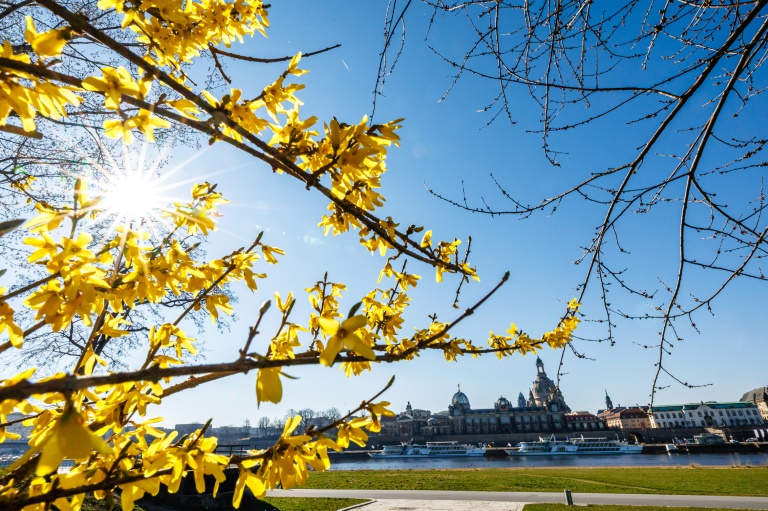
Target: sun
[130,191]
[132,197]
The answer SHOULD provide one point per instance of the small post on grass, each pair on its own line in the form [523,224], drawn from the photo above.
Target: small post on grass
[568,498]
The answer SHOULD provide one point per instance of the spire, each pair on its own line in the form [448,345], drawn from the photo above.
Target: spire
[608,402]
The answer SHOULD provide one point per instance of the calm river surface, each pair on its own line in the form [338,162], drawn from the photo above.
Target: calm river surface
[634,460]
[627,460]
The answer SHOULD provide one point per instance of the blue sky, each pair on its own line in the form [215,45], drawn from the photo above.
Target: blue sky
[443,144]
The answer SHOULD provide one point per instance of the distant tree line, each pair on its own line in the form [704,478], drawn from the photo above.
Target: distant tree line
[266,426]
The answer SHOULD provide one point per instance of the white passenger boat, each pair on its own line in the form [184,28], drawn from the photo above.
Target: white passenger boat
[552,446]
[429,450]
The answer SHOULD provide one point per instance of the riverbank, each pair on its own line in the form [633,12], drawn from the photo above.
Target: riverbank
[501,452]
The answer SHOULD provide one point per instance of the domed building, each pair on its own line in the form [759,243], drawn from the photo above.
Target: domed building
[544,411]
[544,392]
[460,400]
[502,404]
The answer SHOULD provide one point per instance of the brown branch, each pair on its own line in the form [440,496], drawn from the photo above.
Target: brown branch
[28,287]
[16,130]
[20,502]
[218,65]
[245,58]
[71,383]
[14,7]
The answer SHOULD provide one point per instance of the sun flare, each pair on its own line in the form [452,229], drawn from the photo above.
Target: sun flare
[130,191]
[133,197]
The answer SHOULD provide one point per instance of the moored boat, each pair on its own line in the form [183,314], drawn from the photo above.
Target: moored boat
[572,446]
[429,450]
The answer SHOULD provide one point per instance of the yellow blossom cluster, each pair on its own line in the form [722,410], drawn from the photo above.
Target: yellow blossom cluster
[25,94]
[505,345]
[175,32]
[89,284]
[287,463]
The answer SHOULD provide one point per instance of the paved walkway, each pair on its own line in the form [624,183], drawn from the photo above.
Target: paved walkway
[441,505]
[422,500]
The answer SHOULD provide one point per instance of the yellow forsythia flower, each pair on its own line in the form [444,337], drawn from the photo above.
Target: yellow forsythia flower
[344,335]
[47,44]
[113,83]
[15,333]
[69,438]
[268,385]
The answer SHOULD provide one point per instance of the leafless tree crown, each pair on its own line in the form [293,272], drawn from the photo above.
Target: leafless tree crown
[686,75]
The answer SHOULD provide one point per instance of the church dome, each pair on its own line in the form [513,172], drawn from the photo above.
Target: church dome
[544,389]
[502,402]
[460,399]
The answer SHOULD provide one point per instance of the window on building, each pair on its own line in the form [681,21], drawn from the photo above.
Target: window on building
[740,413]
[699,414]
[721,413]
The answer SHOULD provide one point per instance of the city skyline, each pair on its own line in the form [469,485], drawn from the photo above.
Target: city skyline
[594,402]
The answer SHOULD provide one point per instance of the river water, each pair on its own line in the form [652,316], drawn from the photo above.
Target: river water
[626,460]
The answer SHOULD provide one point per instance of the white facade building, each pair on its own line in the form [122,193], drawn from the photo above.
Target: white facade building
[699,415]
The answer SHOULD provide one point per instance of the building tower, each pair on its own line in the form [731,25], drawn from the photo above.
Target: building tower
[608,402]
[544,391]
[520,400]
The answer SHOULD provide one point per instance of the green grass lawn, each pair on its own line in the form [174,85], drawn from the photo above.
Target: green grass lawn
[294,504]
[681,481]
[606,507]
[281,503]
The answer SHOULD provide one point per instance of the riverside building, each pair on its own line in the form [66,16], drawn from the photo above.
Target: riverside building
[545,410]
[759,397]
[709,414]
